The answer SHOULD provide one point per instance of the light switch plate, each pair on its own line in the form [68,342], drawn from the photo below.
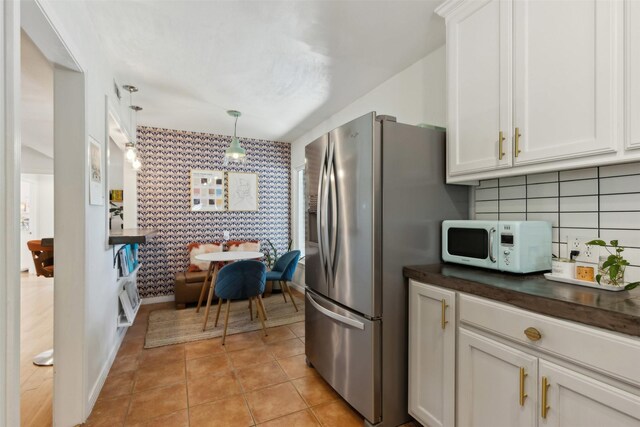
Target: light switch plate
[226,235]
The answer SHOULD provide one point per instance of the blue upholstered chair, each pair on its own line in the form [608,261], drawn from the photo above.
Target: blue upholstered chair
[283,271]
[241,280]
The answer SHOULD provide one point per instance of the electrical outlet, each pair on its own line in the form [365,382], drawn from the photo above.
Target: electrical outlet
[588,253]
[226,235]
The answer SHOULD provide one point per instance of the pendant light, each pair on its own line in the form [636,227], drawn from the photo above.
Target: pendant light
[235,153]
[131,153]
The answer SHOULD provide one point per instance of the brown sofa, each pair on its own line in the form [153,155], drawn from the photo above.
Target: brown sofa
[188,284]
[187,287]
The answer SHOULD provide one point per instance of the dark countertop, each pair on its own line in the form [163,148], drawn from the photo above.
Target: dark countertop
[616,311]
[131,235]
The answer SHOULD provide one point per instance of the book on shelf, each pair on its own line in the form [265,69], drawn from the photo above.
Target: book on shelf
[127,260]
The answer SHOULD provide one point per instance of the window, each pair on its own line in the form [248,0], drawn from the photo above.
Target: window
[299,212]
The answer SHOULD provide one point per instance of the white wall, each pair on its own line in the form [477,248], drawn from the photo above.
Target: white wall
[98,304]
[415,95]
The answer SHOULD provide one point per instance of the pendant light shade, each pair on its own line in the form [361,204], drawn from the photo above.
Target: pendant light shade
[130,152]
[235,153]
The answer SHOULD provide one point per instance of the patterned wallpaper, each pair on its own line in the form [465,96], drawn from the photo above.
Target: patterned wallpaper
[168,157]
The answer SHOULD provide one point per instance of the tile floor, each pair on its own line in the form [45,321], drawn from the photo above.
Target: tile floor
[252,380]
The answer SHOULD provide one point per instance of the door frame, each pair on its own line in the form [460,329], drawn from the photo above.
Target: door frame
[42,25]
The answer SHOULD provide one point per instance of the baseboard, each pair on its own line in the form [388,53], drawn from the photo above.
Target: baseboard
[297,286]
[97,387]
[156,300]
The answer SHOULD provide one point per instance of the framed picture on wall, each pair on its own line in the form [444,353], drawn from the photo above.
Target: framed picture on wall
[243,191]
[96,173]
[207,190]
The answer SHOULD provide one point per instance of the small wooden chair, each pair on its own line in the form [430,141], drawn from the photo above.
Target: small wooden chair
[42,257]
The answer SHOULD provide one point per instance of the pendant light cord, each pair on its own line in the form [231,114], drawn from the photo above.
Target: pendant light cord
[235,127]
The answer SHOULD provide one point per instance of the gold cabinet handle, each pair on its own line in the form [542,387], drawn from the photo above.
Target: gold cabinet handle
[517,141]
[523,395]
[500,149]
[444,320]
[544,407]
[533,334]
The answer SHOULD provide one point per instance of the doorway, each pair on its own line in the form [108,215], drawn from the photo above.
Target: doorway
[36,227]
[69,156]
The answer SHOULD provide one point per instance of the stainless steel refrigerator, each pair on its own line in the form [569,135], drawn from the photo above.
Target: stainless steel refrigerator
[375,197]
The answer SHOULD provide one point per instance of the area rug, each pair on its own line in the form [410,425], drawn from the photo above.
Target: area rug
[169,326]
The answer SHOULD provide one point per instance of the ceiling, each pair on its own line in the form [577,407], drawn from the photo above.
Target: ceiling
[286,65]
[37,99]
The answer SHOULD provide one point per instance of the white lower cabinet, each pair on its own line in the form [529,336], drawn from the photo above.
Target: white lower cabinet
[573,399]
[496,383]
[432,355]
[507,378]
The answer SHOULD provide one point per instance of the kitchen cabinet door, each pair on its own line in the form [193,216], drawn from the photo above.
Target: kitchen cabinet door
[432,355]
[496,384]
[573,399]
[564,79]
[479,87]
[632,74]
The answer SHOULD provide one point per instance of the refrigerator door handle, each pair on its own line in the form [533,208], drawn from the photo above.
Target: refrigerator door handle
[334,214]
[321,216]
[325,206]
[335,316]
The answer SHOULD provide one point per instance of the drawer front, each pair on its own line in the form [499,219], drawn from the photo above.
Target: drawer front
[612,354]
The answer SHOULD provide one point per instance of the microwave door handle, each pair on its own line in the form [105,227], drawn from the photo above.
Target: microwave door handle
[492,233]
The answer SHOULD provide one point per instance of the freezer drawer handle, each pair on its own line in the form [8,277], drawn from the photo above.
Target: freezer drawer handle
[335,316]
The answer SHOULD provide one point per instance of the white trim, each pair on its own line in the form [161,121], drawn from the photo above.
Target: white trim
[295,206]
[156,300]
[97,387]
[297,286]
[10,214]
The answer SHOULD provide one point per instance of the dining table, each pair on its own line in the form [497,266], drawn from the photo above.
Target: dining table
[214,259]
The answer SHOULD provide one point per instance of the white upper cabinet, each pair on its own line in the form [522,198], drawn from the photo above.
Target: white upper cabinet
[563,73]
[632,74]
[559,78]
[479,87]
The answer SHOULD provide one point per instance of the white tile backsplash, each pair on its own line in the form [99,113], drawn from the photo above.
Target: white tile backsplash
[595,202]
[579,188]
[542,190]
[512,180]
[516,192]
[542,177]
[618,170]
[620,184]
[620,202]
[579,174]
[487,194]
[517,205]
[579,204]
[549,204]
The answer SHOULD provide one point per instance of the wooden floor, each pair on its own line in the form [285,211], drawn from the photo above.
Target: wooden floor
[36,335]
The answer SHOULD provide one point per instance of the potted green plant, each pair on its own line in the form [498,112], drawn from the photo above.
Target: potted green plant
[115,211]
[611,268]
[271,254]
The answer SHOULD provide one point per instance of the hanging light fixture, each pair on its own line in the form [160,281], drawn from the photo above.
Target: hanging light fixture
[235,153]
[131,154]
